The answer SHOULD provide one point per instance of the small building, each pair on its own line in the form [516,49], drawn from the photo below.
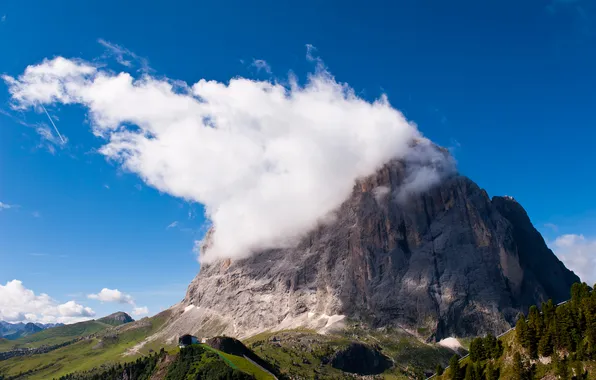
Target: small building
[187,340]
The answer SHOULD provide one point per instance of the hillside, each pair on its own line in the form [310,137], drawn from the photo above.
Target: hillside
[291,353]
[55,335]
[87,345]
[553,342]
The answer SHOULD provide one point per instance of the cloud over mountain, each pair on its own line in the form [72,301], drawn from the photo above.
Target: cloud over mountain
[268,161]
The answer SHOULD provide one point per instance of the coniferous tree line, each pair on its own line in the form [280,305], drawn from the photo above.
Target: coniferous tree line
[483,353]
[568,328]
[565,333]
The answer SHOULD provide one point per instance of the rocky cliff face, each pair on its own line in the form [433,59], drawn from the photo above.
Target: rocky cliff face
[449,261]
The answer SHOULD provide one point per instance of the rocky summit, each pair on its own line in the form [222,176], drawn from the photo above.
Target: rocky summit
[443,262]
[117,318]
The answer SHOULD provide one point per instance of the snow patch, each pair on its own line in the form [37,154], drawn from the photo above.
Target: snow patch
[189,307]
[451,343]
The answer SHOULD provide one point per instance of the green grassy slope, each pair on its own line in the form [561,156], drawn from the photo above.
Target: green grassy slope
[306,354]
[105,347]
[242,364]
[294,353]
[55,335]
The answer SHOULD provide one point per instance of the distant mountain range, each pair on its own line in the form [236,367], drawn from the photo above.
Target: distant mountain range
[12,331]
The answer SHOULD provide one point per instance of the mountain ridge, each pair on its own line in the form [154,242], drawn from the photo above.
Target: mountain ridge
[13,331]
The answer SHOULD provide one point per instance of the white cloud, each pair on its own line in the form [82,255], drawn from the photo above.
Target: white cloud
[6,206]
[3,18]
[112,295]
[261,65]
[18,303]
[578,253]
[267,161]
[172,225]
[380,192]
[138,311]
[115,295]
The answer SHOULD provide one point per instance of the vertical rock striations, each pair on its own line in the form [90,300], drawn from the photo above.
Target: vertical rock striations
[449,261]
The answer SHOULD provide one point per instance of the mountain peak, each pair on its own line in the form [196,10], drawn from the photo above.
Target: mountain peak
[116,319]
[443,261]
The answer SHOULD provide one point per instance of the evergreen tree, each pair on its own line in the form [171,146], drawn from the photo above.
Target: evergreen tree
[491,348]
[418,373]
[454,369]
[479,375]
[545,345]
[548,313]
[578,370]
[518,367]
[564,326]
[477,350]
[580,352]
[439,370]
[470,372]
[521,330]
[492,373]
[535,321]
[562,368]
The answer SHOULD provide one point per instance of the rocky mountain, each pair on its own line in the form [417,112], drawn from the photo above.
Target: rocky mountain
[116,319]
[12,331]
[447,261]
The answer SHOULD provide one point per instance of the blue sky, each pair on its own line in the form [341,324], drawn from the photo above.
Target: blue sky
[507,85]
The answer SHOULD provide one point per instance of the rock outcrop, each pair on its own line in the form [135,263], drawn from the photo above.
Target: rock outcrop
[448,261]
[116,319]
[360,359]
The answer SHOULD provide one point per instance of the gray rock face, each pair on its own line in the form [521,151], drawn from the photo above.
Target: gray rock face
[117,318]
[449,261]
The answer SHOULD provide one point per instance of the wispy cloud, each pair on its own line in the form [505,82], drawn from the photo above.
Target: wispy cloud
[3,18]
[36,254]
[36,214]
[49,140]
[6,206]
[261,64]
[552,227]
[139,311]
[172,225]
[124,56]
[106,186]
[578,253]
